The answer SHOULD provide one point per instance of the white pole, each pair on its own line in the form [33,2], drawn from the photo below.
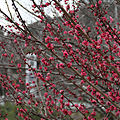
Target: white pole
[32,61]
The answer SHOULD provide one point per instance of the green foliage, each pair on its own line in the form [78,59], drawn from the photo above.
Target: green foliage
[11,109]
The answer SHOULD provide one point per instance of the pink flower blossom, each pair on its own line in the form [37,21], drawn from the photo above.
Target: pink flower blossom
[98,47]
[69,45]
[51,58]
[29,102]
[29,37]
[77,26]
[24,92]
[117,113]
[67,104]
[69,65]
[48,25]
[85,43]
[36,104]
[104,19]
[111,19]
[72,77]
[100,2]
[5,55]
[61,91]
[65,54]
[19,65]
[27,84]
[52,102]
[45,94]
[77,16]
[69,112]
[47,78]
[26,45]
[89,29]
[15,41]
[47,39]
[57,40]
[50,46]
[65,32]
[61,65]
[12,55]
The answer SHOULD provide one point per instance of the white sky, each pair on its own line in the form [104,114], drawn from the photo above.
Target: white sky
[25,15]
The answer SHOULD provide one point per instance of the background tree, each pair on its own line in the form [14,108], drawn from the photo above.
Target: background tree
[78,68]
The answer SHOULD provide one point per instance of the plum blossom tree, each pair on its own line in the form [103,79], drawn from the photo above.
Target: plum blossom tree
[78,67]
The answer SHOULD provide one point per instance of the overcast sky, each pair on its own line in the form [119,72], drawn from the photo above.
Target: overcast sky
[25,15]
